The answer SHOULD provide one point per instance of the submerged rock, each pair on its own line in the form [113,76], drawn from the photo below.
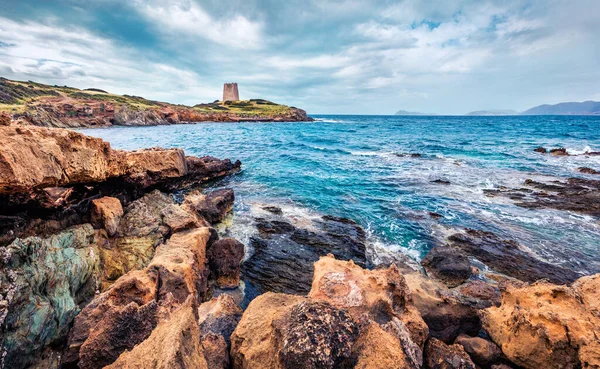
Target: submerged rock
[541,150]
[284,253]
[548,326]
[508,257]
[587,170]
[559,152]
[42,285]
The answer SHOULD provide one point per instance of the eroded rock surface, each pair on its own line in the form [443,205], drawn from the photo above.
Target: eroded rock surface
[284,253]
[442,356]
[548,326]
[224,258]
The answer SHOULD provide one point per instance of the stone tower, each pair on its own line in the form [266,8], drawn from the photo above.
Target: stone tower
[230,92]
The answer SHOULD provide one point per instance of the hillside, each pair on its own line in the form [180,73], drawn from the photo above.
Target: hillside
[566,108]
[404,112]
[62,106]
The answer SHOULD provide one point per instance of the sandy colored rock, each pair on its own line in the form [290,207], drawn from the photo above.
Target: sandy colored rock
[173,344]
[127,313]
[216,351]
[224,258]
[219,316]
[213,206]
[376,348]
[106,213]
[380,294]
[548,326]
[439,355]
[254,343]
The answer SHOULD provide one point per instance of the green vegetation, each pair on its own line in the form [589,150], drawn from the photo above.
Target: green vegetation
[253,107]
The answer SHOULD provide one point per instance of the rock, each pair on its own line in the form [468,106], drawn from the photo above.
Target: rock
[42,284]
[447,313]
[559,152]
[587,170]
[127,313]
[506,256]
[5,119]
[144,217]
[213,206]
[177,219]
[106,213]
[315,334]
[548,326]
[576,194]
[254,343]
[273,209]
[541,150]
[441,181]
[447,264]
[219,316]
[215,351]
[174,344]
[438,355]
[481,351]
[224,258]
[284,254]
[376,348]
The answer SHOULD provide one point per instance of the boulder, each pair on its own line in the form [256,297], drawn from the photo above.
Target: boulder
[173,344]
[284,253]
[559,152]
[483,352]
[224,258]
[213,206]
[376,348]
[219,316]
[439,355]
[42,284]
[447,264]
[106,213]
[541,150]
[127,313]
[587,170]
[215,351]
[548,326]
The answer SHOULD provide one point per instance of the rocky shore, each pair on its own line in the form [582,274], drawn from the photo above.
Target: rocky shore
[111,259]
[31,103]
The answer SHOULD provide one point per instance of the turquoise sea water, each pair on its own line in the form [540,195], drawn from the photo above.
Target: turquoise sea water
[360,167]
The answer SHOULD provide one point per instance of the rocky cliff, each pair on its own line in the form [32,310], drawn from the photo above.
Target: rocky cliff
[55,106]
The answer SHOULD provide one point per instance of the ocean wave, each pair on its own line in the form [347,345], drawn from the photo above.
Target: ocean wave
[585,150]
[329,120]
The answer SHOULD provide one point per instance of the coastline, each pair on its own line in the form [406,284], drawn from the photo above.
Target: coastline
[142,243]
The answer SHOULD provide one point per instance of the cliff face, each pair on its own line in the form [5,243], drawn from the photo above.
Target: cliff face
[66,107]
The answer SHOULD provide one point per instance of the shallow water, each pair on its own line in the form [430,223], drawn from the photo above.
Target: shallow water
[355,166]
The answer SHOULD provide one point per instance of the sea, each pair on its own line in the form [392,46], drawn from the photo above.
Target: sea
[384,172]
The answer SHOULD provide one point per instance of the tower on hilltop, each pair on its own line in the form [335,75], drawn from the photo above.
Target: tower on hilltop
[230,92]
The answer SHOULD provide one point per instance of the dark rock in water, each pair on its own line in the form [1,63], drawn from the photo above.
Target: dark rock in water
[224,258]
[213,206]
[441,181]
[507,256]
[316,335]
[576,194]
[541,150]
[435,215]
[439,355]
[447,264]
[482,351]
[559,152]
[273,209]
[284,254]
[587,170]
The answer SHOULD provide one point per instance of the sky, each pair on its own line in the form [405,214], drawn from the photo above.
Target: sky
[325,56]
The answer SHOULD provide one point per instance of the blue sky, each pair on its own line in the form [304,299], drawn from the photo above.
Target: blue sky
[326,56]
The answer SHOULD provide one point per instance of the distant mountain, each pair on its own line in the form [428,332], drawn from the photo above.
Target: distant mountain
[404,112]
[566,108]
[493,112]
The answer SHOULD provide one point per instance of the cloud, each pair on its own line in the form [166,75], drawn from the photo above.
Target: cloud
[187,18]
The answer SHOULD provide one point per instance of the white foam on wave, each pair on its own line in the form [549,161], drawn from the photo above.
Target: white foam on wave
[329,120]
[585,150]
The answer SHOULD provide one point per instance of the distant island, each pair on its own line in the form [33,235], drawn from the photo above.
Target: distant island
[404,112]
[566,108]
[68,107]
[493,112]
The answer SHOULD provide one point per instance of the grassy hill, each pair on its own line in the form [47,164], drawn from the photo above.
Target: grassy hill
[62,106]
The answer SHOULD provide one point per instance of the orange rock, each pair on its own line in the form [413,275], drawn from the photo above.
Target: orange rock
[548,326]
[173,344]
[106,213]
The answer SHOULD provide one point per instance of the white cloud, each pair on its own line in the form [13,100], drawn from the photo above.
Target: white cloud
[185,17]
